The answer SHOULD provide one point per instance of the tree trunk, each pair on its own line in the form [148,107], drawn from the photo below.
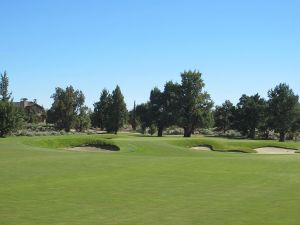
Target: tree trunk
[187,132]
[160,132]
[282,136]
[252,134]
[134,126]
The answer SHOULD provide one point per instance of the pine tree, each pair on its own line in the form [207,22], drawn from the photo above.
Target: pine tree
[5,95]
[11,117]
[100,115]
[117,111]
[133,117]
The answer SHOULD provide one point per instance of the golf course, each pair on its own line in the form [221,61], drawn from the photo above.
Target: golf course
[146,180]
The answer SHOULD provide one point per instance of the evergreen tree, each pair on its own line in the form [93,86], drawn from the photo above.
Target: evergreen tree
[143,115]
[117,111]
[282,109]
[83,121]
[265,124]
[249,114]
[51,117]
[4,93]
[133,120]
[223,116]
[66,108]
[158,110]
[195,103]
[296,123]
[172,107]
[11,117]
[165,106]
[100,115]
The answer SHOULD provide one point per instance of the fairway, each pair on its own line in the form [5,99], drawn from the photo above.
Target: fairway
[150,181]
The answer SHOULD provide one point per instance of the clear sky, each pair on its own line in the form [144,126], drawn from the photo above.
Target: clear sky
[240,46]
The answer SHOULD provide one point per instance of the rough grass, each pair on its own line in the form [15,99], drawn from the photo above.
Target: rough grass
[150,181]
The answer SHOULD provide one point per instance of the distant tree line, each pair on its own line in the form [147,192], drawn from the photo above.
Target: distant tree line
[279,113]
[186,105]
[183,104]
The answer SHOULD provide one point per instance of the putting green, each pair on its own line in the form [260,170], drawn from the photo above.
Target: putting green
[150,181]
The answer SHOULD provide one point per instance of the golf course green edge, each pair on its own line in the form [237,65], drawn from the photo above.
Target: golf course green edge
[216,144]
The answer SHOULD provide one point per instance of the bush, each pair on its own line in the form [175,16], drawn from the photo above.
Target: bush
[231,134]
[152,130]
[174,130]
[206,131]
[11,118]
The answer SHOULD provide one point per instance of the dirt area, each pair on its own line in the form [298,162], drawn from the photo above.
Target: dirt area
[274,150]
[202,148]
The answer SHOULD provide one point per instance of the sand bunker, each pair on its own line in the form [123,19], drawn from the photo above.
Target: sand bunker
[274,150]
[202,148]
[94,148]
[87,149]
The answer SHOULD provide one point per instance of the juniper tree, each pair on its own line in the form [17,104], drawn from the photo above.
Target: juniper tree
[11,117]
[100,115]
[132,117]
[195,103]
[117,111]
[83,121]
[143,115]
[249,114]
[158,110]
[66,107]
[223,116]
[282,109]
[4,93]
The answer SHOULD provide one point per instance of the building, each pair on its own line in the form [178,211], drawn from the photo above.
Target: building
[34,111]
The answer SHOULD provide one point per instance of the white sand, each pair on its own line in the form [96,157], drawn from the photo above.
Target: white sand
[87,149]
[202,148]
[273,150]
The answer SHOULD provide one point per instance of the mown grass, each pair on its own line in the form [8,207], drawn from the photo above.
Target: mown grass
[150,181]
[235,145]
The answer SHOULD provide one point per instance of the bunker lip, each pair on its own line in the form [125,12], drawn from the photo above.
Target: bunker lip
[95,148]
[268,150]
[275,151]
[203,148]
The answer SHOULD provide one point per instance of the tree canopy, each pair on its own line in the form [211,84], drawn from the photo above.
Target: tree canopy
[117,111]
[11,117]
[249,114]
[282,109]
[196,104]
[101,110]
[185,106]
[68,109]
[224,116]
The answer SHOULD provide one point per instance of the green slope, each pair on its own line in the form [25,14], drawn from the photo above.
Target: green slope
[150,181]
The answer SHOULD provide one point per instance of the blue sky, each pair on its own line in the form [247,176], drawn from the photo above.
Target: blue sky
[239,46]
